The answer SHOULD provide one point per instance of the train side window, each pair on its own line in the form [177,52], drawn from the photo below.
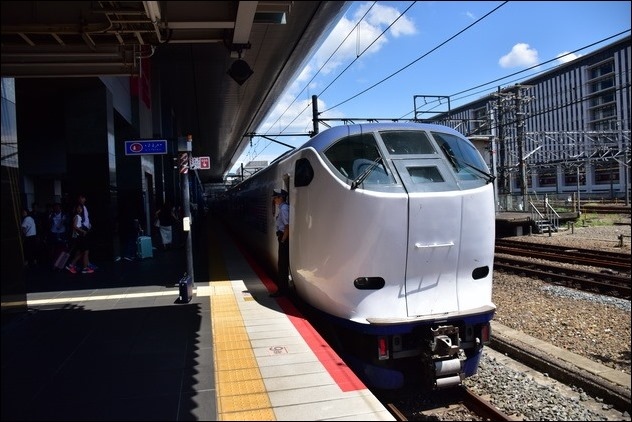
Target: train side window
[303,172]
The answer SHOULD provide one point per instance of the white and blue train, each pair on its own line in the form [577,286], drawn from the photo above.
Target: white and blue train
[392,229]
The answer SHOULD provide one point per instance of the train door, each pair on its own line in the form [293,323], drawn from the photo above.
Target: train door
[434,221]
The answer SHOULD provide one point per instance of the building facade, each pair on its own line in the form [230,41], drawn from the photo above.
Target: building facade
[564,133]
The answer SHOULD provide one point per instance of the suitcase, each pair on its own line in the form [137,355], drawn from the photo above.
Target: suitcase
[186,289]
[144,247]
[61,260]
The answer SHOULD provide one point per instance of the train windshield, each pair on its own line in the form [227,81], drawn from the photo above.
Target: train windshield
[358,158]
[407,142]
[463,156]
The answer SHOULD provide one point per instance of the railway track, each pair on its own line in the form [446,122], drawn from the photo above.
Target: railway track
[457,403]
[606,209]
[535,260]
[608,284]
[593,257]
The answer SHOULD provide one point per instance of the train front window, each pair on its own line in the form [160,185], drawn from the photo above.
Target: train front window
[358,158]
[466,161]
[429,174]
[407,142]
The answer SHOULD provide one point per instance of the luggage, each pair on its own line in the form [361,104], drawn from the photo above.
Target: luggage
[61,260]
[186,289]
[144,247]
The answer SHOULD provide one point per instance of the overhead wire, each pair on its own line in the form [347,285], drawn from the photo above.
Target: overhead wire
[526,70]
[345,69]
[325,63]
[419,58]
[391,75]
[416,60]
[311,80]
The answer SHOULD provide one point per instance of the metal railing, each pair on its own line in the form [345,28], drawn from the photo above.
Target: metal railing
[549,219]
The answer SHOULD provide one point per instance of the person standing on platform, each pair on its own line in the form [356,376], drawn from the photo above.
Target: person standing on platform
[29,238]
[166,218]
[58,229]
[80,246]
[279,199]
[89,237]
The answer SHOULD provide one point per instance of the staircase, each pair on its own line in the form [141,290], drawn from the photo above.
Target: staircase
[546,220]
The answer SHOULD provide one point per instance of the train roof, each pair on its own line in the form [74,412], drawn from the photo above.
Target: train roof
[323,139]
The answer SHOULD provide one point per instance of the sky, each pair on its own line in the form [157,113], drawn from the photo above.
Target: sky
[379,56]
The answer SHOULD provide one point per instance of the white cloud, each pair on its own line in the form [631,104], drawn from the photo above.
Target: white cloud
[348,41]
[293,112]
[566,57]
[338,50]
[521,55]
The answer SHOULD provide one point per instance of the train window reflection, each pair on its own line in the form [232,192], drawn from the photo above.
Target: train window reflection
[464,157]
[358,158]
[429,174]
[407,142]
[344,152]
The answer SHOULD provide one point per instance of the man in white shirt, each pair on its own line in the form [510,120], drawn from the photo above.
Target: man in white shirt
[29,233]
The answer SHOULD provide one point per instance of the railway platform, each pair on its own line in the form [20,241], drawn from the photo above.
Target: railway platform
[518,223]
[117,345]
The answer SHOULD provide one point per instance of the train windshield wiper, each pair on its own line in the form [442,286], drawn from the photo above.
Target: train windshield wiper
[454,160]
[366,173]
[490,177]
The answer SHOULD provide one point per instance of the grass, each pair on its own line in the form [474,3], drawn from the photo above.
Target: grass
[595,219]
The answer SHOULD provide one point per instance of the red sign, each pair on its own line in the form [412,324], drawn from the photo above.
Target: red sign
[200,163]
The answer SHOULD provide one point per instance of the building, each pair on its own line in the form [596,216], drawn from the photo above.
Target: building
[564,133]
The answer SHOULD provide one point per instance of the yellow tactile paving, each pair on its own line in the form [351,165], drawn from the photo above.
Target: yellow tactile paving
[241,393]
[229,345]
[226,377]
[243,402]
[250,415]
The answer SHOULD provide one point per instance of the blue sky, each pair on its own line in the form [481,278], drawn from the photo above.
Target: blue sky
[433,48]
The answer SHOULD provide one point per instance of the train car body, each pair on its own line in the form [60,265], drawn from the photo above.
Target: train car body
[392,229]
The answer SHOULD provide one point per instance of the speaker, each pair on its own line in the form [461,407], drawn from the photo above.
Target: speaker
[240,71]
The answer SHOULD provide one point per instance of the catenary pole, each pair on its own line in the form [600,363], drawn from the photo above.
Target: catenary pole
[187,222]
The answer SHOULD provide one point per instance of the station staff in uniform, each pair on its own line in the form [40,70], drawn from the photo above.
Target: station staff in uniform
[279,199]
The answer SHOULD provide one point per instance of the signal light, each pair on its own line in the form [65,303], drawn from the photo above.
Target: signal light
[486,333]
[382,348]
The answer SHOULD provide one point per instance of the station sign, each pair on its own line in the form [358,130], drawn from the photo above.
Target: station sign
[200,163]
[146,147]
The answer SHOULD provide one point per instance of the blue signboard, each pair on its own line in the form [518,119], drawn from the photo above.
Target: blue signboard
[146,147]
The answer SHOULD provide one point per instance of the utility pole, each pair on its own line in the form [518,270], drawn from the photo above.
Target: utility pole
[520,138]
[491,116]
[184,155]
[315,114]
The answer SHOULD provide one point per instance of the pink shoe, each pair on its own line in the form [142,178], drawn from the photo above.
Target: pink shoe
[71,268]
[87,270]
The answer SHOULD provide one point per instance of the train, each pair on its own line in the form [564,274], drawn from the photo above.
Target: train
[392,229]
